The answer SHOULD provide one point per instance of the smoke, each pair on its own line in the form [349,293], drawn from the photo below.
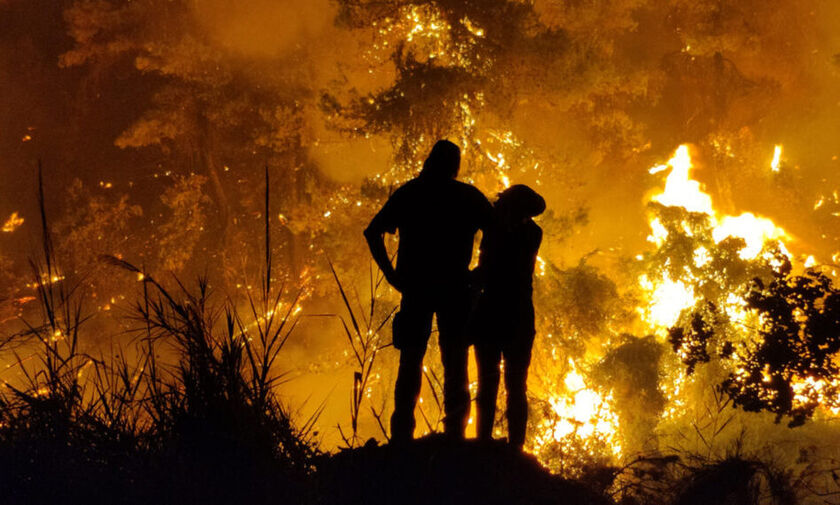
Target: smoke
[266,28]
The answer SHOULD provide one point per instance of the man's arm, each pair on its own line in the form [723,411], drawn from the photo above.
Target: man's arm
[534,239]
[383,222]
[479,273]
[484,211]
[484,217]
[376,243]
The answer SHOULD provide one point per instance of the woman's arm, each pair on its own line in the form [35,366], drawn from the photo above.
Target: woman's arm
[534,238]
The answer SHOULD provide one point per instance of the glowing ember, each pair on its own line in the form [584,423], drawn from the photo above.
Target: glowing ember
[46,280]
[13,223]
[777,158]
[540,270]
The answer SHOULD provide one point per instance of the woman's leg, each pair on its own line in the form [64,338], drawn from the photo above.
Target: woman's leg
[487,358]
[517,360]
[454,352]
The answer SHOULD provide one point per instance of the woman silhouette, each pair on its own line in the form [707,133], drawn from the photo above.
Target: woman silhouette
[503,322]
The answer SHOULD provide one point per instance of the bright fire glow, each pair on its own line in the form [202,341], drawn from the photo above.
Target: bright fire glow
[580,416]
[667,298]
[680,189]
[755,231]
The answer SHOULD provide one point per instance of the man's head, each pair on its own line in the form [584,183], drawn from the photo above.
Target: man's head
[443,162]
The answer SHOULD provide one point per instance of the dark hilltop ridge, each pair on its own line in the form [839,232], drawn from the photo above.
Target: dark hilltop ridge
[434,470]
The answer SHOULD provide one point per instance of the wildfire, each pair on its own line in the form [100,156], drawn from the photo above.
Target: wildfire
[672,291]
[580,417]
[668,297]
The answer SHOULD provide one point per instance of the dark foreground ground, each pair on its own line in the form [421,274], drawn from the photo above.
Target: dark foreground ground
[433,470]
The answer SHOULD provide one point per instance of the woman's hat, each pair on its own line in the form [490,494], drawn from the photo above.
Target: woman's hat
[522,201]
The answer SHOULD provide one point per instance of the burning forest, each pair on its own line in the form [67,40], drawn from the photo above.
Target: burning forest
[186,284]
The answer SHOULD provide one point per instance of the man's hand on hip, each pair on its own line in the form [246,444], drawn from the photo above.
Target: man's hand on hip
[394,280]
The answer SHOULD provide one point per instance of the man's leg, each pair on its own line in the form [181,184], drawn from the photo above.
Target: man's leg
[406,391]
[411,334]
[452,318]
[487,358]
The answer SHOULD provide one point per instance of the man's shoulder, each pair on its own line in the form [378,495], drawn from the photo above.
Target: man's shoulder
[404,190]
[470,191]
[449,189]
[412,186]
[465,186]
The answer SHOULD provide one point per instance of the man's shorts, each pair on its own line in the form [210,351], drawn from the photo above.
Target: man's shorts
[413,323]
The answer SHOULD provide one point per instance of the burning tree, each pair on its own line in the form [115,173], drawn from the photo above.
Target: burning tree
[208,111]
[746,331]
[789,365]
[727,283]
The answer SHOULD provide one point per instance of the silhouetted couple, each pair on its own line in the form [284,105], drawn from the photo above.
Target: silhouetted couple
[437,218]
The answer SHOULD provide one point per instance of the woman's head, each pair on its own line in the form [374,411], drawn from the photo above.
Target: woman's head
[519,202]
[443,162]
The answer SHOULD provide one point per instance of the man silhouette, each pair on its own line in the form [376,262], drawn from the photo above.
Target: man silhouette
[437,218]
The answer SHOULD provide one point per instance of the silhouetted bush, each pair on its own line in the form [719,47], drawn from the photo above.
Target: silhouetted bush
[204,426]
